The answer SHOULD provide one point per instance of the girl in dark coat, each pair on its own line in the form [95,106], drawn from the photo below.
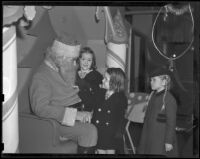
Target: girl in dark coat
[109,111]
[88,79]
[158,135]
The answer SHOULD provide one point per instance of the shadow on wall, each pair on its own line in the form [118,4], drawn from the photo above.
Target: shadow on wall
[45,34]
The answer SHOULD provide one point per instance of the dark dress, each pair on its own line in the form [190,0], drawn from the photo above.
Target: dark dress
[88,86]
[108,118]
[159,126]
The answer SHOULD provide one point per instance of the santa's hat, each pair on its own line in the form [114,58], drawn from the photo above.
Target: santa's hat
[66,45]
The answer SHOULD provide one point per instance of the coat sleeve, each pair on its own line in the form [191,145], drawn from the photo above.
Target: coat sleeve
[171,108]
[120,116]
[40,94]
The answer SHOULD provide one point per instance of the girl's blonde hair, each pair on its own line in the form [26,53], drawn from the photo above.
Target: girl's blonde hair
[167,87]
[168,81]
[164,74]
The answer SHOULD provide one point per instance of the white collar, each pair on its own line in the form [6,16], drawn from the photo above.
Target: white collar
[86,72]
[108,94]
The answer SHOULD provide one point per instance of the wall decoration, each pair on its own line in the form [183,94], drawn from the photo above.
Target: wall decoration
[116,38]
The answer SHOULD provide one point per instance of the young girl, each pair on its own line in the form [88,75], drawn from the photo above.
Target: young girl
[109,111]
[158,135]
[88,79]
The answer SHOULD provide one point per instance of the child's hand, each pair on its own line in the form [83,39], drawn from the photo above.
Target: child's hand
[145,107]
[76,87]
[87,118]
[84,116]
[168,147]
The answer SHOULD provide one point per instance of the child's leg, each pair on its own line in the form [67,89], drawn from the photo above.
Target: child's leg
[110,151]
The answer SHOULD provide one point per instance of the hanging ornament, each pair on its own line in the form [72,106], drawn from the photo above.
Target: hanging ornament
[29,12]
[116,38]
[172,33]
[97,12]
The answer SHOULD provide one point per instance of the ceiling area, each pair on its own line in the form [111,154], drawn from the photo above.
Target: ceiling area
[80,21]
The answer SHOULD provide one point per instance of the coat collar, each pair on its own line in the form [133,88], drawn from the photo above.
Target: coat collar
[159,93]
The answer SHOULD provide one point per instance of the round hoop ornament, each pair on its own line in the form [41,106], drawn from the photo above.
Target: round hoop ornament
[172,31]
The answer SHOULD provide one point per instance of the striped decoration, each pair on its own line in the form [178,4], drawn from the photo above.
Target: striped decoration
[9,37]
[116,55]
[10,104]
[116,38]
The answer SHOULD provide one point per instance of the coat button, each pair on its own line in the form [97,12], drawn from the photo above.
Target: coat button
[97,121]
[99,109]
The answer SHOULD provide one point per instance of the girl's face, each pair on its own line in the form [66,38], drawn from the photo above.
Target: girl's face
[106,81]
[86,61]
[157,83]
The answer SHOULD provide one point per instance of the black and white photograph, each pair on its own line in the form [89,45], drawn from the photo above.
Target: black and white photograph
[100,79]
